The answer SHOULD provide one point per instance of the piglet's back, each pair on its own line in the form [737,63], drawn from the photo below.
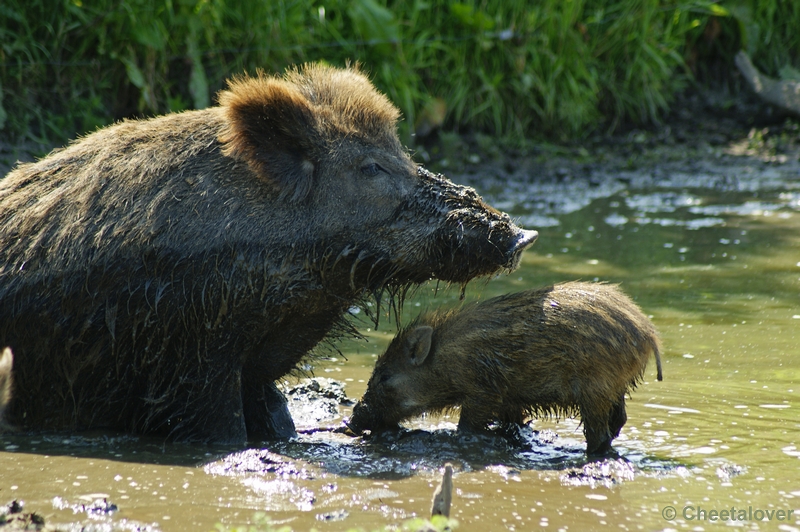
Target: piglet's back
[549,337]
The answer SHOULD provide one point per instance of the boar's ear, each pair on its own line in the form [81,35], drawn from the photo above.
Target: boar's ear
[418,344]
[271,125]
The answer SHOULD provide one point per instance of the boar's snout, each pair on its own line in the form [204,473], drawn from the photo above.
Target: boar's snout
[474,238]
[485,250]
[523,241]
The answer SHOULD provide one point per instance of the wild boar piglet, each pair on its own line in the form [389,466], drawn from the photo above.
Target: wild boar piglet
[572,348]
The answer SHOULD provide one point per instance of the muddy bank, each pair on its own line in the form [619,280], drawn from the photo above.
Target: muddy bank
[709,133]
[709,138]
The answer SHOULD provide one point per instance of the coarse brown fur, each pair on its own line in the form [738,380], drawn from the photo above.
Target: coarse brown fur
[572,348]
[157,276]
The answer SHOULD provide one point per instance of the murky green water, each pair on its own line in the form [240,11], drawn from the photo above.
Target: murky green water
[717,268]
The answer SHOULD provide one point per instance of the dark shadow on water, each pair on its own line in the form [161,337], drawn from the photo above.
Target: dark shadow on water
[388,456]
[402,453]
[405,453]
[104,445]
[312,402]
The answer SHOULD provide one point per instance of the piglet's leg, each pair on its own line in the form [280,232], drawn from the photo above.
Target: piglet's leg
[473,418]
[512,415]
[596,430]
[618,417]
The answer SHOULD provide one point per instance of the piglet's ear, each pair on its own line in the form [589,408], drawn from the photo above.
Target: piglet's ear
[418,344]
[271,125]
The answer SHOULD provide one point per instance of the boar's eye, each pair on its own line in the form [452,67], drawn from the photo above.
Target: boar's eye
[371,169]
[384,378]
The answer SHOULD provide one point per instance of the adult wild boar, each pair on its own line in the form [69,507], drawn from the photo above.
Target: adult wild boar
[570,348]
[157,276]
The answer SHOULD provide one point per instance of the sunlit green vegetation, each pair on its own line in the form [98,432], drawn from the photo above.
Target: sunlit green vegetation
[555,68]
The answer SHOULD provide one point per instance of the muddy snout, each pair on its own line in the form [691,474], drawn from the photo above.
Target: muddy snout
[364,418]
[359,421]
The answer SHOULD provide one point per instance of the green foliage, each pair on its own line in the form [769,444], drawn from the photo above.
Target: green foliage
[766,30]
[506,67]
[263,523]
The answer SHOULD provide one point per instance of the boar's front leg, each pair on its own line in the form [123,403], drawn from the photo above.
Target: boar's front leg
[266,413]
[208,412]
[227,426]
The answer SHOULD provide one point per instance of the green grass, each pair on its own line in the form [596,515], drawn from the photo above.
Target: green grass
[550,68]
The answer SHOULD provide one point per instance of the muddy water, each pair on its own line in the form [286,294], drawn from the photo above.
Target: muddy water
[717,267]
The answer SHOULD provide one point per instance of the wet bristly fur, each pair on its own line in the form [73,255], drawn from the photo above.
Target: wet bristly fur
[570,349]
[158,275]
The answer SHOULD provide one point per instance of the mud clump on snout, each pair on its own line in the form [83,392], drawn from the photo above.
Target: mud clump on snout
[159,275]
[572,348]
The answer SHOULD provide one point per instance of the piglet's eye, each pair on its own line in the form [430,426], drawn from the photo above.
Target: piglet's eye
[371,169]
